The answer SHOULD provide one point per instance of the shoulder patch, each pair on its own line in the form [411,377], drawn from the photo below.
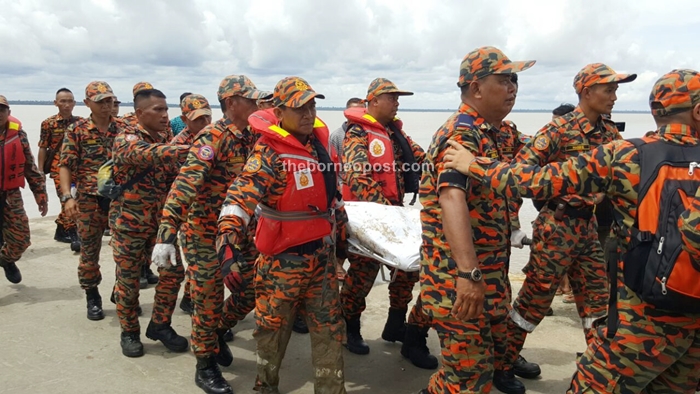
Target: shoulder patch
[205,152]
[464,121]
[541,142]
[254,164]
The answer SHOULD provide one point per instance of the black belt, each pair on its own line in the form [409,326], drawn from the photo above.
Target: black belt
[305,248]
[573,212]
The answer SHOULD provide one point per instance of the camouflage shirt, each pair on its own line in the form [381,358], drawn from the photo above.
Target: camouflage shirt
[85,149]
[690,228]
[184,137]
[215,159]
[564,137]
[51,136]
[137,152]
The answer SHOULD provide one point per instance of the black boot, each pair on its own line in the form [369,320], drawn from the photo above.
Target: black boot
[131,344]
[186,305]
[75,244]
[94,304]
[149,275]
[208,377]
[415,348]
[228,336]
[300,326]
[395,327]
[356,344]
[11,272]
[143,282]
[224,357]
[506,382]
[167,336]
[525,369]
[61,235]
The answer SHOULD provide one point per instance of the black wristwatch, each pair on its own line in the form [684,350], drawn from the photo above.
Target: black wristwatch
[475,275]
[66,197]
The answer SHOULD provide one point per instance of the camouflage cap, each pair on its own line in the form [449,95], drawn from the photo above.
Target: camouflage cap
[195,105]
[141,86]
[98,91]
[293,92]
[675,92]
[381,86]
[238,85]
[266,98]
[599,73]
[3,101]
[486,61]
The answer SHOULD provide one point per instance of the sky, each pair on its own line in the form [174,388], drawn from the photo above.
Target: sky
[339,46]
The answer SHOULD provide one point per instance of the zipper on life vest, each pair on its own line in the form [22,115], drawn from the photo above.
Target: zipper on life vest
[692,166]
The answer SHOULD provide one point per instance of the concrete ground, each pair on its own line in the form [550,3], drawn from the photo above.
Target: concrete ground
[48,346]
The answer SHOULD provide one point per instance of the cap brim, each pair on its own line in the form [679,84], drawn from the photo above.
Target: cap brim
[254,94]
[514,67]
[197,113]
[399,92]
[299,99]
[619,78]
[101,96]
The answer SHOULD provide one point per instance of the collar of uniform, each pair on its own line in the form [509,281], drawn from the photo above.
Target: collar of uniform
[147,136]
[583,122]
[228,125]
[480,122]
[679,132]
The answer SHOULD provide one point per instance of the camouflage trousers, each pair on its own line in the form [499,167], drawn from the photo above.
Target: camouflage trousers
[131,251]
[570,246]
[359,280]
[15,227]
[653,351]
[62,219]
[283,283]
[92,222]
[471,350]
[210,311]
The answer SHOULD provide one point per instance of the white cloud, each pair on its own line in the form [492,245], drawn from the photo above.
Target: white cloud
[338,46]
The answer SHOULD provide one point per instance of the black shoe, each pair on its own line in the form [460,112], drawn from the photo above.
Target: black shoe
[131,344]
[143,283]
[167,336]
[139,311]
[75,244]
[94,304]
[12,272]
[149,275]
[550,312]
[61,235]
[506,382]
[228,336]
[186,305]
[356,344]
[300,326]
[424,391]
[208,377]
[224,357]
[415,348]
[395,327]
[525,369]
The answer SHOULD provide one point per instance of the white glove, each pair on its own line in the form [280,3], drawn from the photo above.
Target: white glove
[516,238]
[164,255]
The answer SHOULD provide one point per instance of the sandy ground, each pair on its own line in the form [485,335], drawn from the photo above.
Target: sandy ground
[48,346]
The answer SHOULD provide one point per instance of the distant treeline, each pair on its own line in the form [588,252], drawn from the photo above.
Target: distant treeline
[131,104]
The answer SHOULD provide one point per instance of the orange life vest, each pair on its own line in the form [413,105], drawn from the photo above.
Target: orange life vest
[380,154]
[304,213]
[12,157]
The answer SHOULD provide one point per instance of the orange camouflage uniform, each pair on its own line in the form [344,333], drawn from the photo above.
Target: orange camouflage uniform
[289,280]
[471,350]
[559,244]
[134,221]
[216,157]
[85,149]
[363,270]
[51,136]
